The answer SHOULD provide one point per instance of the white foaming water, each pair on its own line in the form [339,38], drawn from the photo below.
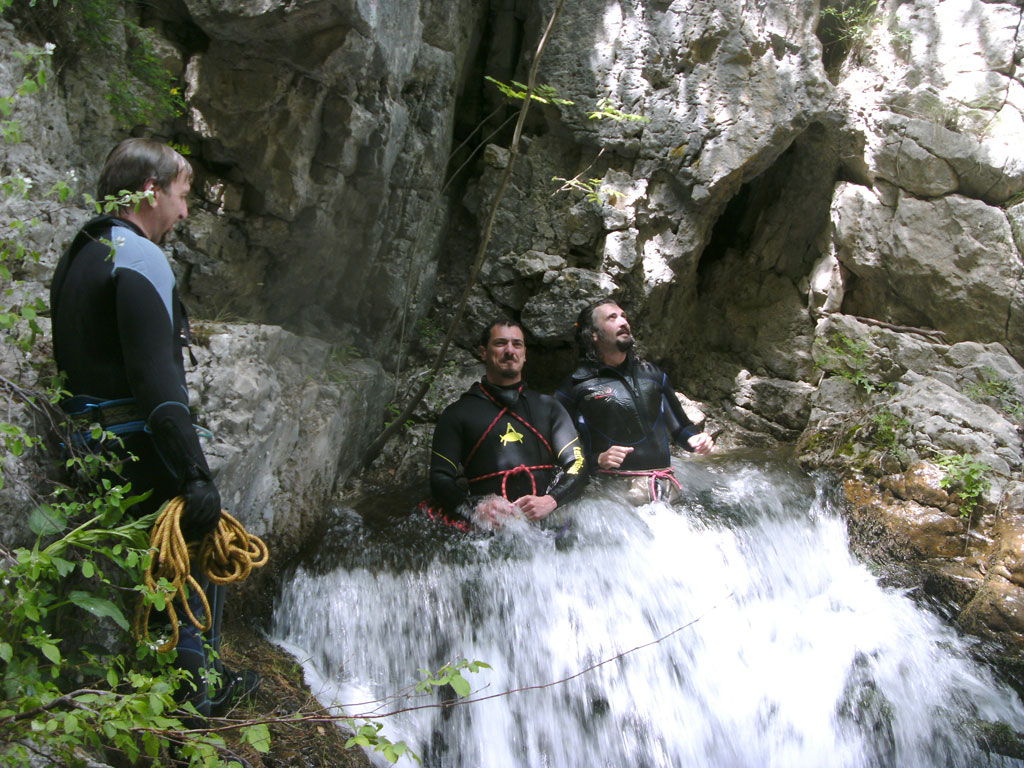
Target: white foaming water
[736,630]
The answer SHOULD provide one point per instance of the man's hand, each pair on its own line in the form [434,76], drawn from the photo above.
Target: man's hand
[536,507]
[202,509]
[613,457]
[702,442]
[493,511]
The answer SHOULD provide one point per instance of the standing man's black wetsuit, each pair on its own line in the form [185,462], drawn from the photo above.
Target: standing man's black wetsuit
[119,329]
[507,441]
[632,405]
[118,333]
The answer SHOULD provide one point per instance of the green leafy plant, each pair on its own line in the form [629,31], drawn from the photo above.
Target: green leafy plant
[993,387]
[606,110]
[35,60]
[451,674]
[966,476]
[593,190]
[140,89]
[848,358]
[544,94]
[887,430]
[845,29]
[367,733]
[429,333]
[855,19]
[338,359]
[395,410]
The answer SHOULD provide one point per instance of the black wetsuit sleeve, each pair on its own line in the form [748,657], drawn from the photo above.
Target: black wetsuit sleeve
[152,359]
[572,474]
[445,455]
[676,421]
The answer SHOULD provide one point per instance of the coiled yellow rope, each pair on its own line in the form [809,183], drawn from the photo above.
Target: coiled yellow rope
[226,554]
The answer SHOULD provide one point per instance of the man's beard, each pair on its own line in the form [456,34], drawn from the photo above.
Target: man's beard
[508,373]
[622,343]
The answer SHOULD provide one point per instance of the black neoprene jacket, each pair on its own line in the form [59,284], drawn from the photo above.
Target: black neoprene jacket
[632,405]
[487,432]
[118,332]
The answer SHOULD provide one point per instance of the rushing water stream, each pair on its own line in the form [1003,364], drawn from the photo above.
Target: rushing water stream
[759,640]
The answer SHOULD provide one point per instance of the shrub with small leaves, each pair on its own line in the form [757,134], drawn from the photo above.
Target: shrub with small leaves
[967,477]
[995,389]
[848,358]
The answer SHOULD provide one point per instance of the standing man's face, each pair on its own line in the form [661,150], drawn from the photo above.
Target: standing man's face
[504,355]
[168,208]
[613,332]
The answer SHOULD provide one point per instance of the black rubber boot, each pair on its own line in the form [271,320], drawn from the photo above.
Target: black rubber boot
[235,687]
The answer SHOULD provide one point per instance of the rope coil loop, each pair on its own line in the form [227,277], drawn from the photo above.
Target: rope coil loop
[227,554]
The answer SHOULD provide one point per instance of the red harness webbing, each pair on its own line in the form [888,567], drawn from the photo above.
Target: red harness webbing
[654,474]
[438,516]
[505,473]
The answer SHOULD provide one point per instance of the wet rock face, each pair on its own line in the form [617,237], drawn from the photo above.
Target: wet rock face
[290,418]
[928,436]
[322,131]
[949,264]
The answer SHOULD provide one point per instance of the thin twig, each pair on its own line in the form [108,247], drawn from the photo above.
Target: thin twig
[927,332]
[327,717]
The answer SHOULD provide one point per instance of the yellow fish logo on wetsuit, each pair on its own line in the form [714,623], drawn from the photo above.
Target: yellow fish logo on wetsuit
[510,436]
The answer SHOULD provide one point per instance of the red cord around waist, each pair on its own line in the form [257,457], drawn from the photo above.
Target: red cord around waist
[504,474]
[654,474]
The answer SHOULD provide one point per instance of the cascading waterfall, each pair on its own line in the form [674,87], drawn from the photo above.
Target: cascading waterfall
[759,640]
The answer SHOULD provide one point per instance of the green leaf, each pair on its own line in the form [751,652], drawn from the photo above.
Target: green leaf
[71,723]
[88,569]
[258,736]
[50,651]
[44,520]
[460,685]
[6,652]
[151,744]
[98,607]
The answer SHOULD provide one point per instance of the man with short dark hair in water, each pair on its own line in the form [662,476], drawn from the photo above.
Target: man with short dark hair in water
[502,449]
[625,408]
[119,329]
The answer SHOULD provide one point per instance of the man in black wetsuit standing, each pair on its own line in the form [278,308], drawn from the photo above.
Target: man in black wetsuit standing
[625,408]
[502,449]
[119,329]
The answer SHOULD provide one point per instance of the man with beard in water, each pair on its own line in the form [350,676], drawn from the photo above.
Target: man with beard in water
[502,450]
[625,408]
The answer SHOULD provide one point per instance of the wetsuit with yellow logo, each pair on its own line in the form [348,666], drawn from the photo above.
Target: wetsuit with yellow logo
[507,441]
